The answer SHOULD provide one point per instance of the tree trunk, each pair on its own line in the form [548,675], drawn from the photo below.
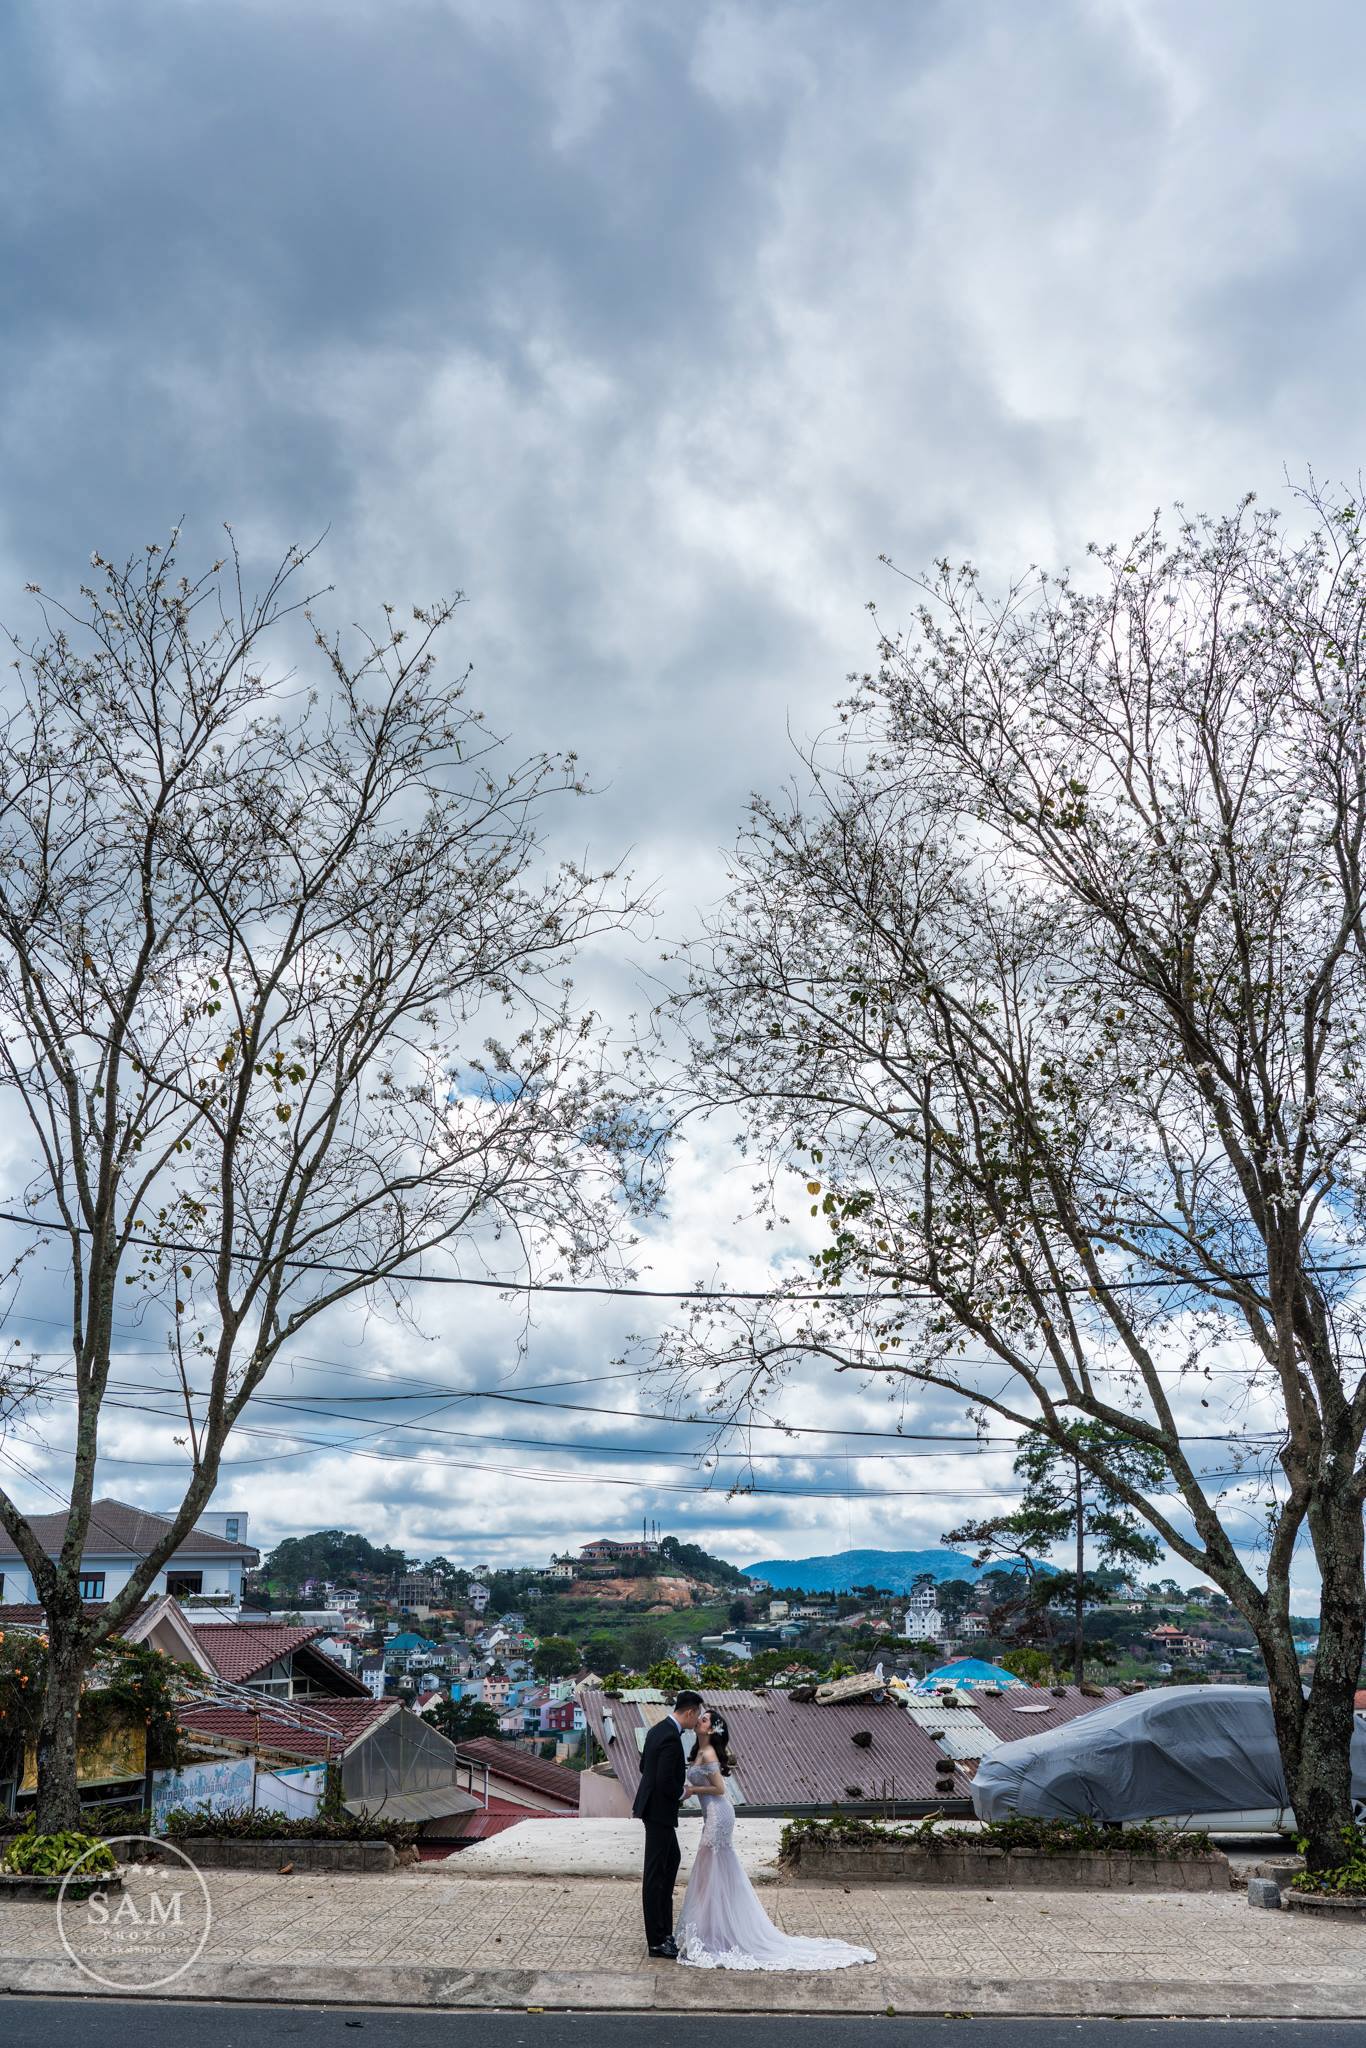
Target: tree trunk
[1079,1618]
[59,1803]
[1318,1752]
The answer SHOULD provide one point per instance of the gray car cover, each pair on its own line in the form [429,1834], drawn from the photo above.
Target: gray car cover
[1181,1749]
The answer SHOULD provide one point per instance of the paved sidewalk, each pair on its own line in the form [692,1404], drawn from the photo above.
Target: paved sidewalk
[604,1848]
[431,1938]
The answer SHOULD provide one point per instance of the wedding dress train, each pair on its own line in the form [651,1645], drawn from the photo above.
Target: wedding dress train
[723,1926]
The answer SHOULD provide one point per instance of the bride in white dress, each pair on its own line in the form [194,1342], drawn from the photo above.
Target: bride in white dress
[722,1925]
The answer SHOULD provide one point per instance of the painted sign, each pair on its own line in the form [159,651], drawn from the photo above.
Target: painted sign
[228,1783]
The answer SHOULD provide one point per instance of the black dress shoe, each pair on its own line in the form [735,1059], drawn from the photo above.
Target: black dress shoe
[667,1951]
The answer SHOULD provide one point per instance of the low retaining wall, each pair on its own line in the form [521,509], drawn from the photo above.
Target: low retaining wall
[26,1886]
[224,1852]
[888,1863]
[1327,1905]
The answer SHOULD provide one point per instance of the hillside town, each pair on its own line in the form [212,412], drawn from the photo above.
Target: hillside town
[682,1023]
[525,1676]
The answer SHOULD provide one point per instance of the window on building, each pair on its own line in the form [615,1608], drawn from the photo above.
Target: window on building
[182,1584]
[91,1585]
[232,1528]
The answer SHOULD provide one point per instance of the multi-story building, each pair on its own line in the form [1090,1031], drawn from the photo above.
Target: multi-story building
[924,1622]
[204,1566]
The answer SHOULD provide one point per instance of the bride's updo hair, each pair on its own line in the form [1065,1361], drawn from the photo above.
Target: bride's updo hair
[719,1738]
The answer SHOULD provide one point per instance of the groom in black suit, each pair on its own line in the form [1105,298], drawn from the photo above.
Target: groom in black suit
[663,1778]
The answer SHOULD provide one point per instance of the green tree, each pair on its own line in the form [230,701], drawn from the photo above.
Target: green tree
[556,1657]
[643,1644]
[668,1676]
[700,1564]
[954,1597]
[1036,1667]
[1048,980]
[601,1652]
[462,1720]
[337,1554]
[1066,1500]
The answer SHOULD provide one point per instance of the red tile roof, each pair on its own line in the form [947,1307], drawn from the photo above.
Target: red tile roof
[239,1650]
[308,1729]
[27,1614]
[505,1760]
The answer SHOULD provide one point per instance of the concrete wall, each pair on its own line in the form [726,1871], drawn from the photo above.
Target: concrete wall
[602,1798]
[1017,1869]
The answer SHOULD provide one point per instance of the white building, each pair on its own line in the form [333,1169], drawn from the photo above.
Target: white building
[205,1566]
[924,1622]
[478,1595]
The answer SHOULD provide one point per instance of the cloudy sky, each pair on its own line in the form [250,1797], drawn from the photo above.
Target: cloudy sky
[650,326]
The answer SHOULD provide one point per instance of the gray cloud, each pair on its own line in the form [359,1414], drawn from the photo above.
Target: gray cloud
[650,327]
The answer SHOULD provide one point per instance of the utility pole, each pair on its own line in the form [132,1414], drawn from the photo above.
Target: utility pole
[1079,1634]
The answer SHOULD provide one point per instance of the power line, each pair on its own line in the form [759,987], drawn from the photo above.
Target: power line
[990,1446]
[509,1286]
[352,1449]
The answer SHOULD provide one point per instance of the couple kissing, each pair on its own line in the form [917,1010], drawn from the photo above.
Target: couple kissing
[722,1925]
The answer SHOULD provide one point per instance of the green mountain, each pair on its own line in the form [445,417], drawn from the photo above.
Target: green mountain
[896,1570]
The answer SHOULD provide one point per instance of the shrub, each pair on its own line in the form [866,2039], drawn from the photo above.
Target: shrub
[1344,1880]
[33,1855]
[245,1824]
[1022,1832]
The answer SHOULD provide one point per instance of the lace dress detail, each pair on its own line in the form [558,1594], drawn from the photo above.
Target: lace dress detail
[723,1926]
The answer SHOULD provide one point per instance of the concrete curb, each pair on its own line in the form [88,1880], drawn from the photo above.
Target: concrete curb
[669,1988]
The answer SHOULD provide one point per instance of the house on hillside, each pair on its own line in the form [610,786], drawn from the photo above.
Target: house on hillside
[605,1553]
[1170,1641]
[204,1567]
[924,1622]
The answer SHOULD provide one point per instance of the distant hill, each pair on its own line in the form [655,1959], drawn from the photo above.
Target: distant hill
[897,1570]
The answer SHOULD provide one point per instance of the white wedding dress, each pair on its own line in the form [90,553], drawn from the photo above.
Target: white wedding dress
[723,1926]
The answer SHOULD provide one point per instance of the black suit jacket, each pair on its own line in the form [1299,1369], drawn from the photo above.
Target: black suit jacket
[663,1774]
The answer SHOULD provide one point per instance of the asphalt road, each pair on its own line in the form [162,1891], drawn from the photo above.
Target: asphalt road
[110,2023]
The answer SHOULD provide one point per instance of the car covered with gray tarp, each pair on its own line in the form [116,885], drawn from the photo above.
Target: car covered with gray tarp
[1194,1755]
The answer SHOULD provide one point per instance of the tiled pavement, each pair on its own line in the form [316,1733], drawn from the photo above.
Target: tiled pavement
[428,1936]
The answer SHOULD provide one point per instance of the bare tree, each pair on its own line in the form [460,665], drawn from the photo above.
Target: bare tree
[1050,984]
[283,1004]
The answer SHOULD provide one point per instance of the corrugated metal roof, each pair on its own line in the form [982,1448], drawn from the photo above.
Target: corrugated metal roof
[517,1767]
[957,1731]
[788,1754]
[1017,1713]
[438,1804]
